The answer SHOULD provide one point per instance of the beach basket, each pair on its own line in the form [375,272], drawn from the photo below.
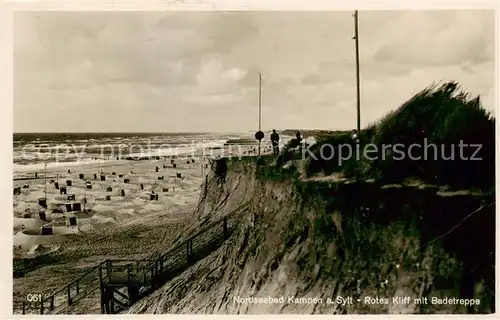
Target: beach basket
[42,215]
[77,206]
[47,231]
[42,202]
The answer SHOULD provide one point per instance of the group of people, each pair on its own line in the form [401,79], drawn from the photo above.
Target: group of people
[275,138]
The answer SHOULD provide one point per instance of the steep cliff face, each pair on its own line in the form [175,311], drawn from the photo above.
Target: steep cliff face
[320,240]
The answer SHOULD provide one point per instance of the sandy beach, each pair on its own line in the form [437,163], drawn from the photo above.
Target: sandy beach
[138,210]
[133,209]
[116,193]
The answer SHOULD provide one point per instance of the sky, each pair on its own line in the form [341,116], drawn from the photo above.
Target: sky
[198,71]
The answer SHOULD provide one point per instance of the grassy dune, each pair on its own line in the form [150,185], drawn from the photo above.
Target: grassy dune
[440,115]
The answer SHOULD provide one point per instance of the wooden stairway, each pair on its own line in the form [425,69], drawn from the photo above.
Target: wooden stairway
[123,282]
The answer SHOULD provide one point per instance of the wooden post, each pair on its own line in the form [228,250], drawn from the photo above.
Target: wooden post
[111,302]
[41,306]
[100,277]
[52,303]
[24,307]
[108,269]
[77,286]
[69,295]
[101,287]
[106,300]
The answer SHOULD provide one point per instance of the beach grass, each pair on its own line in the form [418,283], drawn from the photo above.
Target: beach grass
[443,116]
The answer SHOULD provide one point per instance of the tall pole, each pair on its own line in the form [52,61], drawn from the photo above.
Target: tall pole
[356,39]
[260,100]
[260,105]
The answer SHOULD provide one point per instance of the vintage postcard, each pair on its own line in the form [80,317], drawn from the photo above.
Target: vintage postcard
[217,161]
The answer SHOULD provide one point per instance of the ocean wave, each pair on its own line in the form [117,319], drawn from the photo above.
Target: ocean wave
[63,151]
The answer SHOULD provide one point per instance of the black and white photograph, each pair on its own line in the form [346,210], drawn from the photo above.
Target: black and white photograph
[334,162]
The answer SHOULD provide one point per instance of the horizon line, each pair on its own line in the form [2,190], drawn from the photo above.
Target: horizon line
[115,132]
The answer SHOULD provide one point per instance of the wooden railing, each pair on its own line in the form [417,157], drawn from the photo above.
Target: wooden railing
[67,295]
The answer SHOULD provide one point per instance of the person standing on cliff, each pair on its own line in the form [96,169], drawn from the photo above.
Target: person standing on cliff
[275,138]
[355,136]
[299,140]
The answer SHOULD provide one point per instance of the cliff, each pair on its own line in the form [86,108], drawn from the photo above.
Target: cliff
[297,238]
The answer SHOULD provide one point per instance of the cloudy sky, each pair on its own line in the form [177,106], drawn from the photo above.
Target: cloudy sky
[198,71]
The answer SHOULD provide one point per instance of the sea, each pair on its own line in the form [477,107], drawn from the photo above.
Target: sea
[32,151]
